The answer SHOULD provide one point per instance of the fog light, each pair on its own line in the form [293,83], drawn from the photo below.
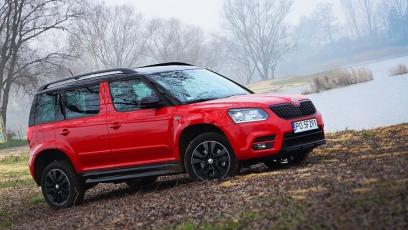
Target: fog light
[262,146]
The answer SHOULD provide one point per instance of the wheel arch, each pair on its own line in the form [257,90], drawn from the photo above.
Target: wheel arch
[44,158]
[192,131]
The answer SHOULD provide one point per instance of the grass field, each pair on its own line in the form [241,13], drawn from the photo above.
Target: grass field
[13,143]
[357,180]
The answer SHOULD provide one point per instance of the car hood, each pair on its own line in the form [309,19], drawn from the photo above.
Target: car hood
[251,100]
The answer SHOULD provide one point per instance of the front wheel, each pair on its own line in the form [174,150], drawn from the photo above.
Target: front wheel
[61,186]
[209,156]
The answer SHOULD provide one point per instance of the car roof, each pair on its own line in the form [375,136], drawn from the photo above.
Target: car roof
[160,69]
[112,74]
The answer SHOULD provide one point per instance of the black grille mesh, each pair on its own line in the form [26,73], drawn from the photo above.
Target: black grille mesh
[295,139]
[289,111]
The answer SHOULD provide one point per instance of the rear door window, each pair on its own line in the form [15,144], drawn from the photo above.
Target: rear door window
[81,102]
[47,108]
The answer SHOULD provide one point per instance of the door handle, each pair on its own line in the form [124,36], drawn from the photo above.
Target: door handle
[65,132]
[115,125]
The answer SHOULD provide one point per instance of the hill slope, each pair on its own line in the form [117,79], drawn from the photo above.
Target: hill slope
[359,179]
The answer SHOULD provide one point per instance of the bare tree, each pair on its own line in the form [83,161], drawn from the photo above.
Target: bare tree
[259,28]
[400,6]
[238,64]
[317,29]
[398,10]
[170,40]
[107,37]
[363,16]
[369,17]
[352,15]
[22,24]
[214,53]
[328,21]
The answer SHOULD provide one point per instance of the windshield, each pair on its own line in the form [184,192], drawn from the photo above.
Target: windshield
[197,85]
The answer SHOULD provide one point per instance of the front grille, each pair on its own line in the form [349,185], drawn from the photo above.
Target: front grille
[296,139]
[289,111]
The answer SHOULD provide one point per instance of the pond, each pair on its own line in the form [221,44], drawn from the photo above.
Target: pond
[381,102]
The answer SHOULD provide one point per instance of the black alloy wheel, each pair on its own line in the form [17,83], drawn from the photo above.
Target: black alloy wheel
[209,157]
[61,186]
[57,187]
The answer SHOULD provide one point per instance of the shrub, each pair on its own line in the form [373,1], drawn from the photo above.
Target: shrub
[401,69]
[338,78]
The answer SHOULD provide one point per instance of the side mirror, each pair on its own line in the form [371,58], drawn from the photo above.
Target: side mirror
[150,102]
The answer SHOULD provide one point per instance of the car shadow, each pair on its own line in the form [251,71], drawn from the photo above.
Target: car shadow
[109,191]
[101,192]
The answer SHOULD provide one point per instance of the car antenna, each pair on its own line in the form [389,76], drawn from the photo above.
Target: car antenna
[69,70]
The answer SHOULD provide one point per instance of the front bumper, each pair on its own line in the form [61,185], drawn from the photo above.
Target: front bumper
[243,136]
[303,141]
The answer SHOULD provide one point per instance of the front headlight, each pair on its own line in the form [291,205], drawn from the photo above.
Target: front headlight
[247,115]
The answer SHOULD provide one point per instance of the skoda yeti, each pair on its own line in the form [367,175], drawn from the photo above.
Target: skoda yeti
[133,125]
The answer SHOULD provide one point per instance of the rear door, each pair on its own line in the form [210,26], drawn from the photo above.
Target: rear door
[45,114]
[84,129]
[138,136]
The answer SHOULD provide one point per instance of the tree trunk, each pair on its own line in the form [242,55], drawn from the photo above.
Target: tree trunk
[4,104]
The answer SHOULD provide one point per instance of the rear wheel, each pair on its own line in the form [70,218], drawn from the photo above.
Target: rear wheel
[209,156]
[61,186]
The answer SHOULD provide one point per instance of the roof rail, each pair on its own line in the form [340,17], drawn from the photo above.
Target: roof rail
[86,76]
[167,64]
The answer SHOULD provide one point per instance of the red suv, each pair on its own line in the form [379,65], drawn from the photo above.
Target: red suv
[133,125]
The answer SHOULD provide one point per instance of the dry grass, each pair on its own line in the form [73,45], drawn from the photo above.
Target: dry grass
[338,78]
[401,69]
[358,180]
[316,82]
[270,86]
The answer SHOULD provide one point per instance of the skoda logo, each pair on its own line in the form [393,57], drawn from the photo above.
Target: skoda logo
[295,101]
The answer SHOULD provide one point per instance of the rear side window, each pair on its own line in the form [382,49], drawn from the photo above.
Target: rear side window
[126,95]
[81,102]
[47,108]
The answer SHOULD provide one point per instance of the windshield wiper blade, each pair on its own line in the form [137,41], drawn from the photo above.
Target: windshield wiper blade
[201,100]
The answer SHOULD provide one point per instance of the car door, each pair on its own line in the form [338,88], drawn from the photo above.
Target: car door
[84,129]
[47,113]
[138,136]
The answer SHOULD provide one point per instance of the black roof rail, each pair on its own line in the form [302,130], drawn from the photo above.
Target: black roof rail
[86,76]
[167,64]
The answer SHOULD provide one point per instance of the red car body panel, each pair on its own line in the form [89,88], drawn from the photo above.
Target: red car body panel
[115,139]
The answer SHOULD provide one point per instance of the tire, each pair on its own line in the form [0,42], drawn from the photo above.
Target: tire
[209,156]
[61,186]
[138,183]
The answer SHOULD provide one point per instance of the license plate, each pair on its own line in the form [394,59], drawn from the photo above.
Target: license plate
[303,126]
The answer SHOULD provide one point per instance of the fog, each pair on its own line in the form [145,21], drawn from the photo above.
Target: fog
[248,41]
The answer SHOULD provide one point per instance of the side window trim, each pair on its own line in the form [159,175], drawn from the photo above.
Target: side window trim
[33,112]
[60,108]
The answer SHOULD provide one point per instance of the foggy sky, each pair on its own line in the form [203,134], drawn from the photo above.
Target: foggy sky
[207,13]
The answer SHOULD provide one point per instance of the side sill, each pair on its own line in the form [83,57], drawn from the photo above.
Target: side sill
[119,175]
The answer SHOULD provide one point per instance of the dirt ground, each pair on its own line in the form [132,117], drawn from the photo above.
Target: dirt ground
[358,180]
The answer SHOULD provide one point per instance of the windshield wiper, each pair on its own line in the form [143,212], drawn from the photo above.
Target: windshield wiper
[201,100]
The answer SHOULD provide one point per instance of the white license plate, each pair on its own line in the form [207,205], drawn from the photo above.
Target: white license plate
[303,126]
